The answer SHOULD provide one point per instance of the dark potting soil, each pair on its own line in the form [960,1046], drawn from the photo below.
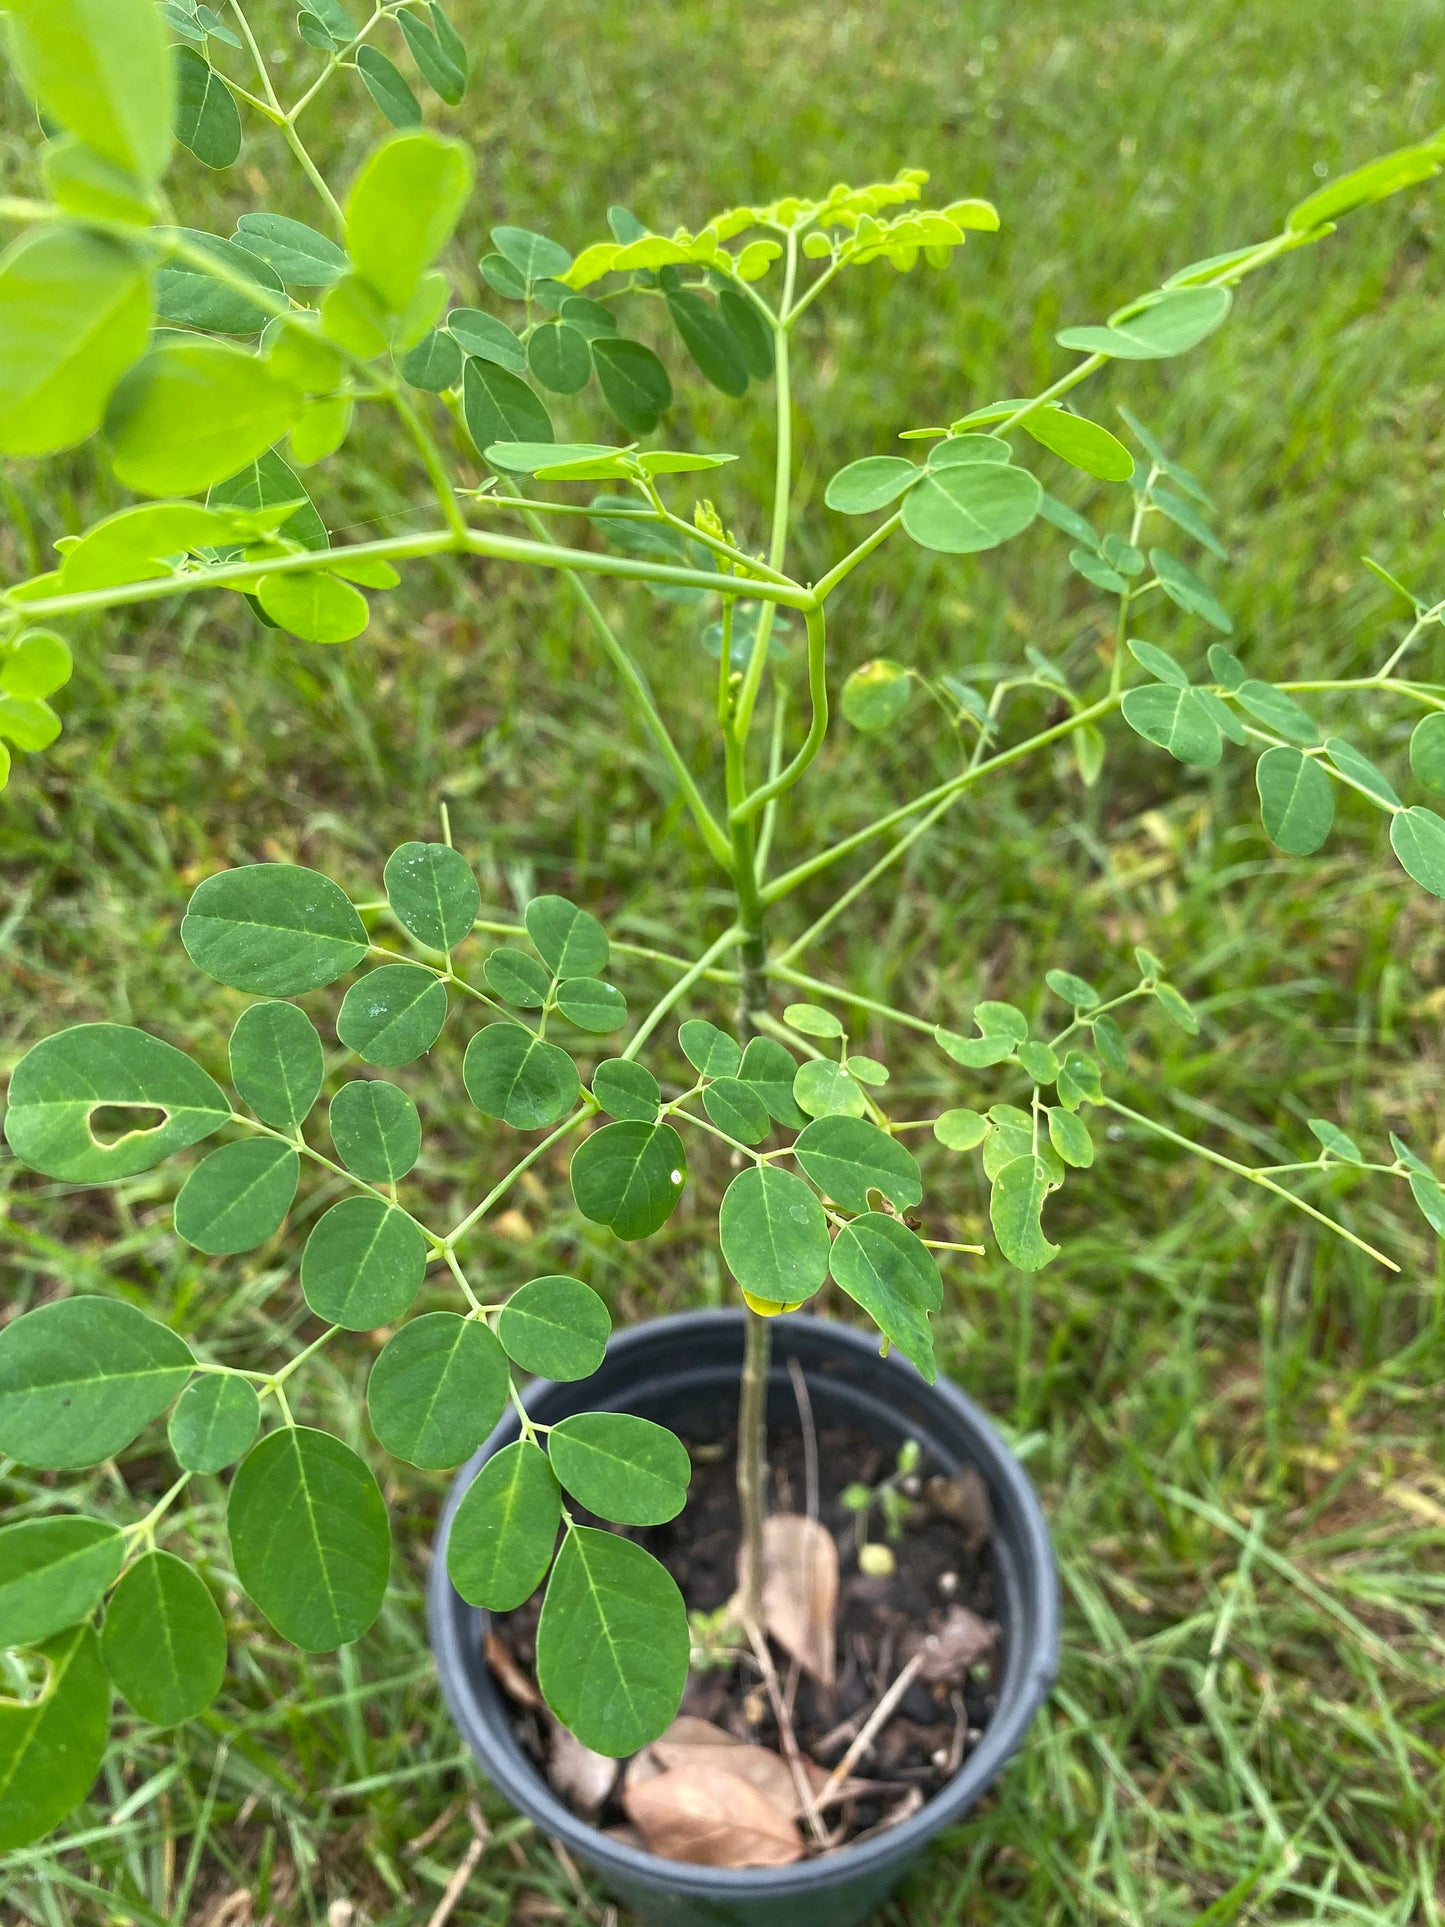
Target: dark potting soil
[942,1562]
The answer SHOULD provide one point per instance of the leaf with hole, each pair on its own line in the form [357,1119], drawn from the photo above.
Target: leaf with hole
[273,928]
[214,1421]
[516,1076]
[64,1084]
[500,1541]
[774,1235]
[555,1326]
[54,1572]
[1015,1207]
[277,1063]
[309,1537]
[363,1264]
[51,1747]
[629,1176]
[163,1642]
[80,1377]
[612,1643]
[437,1390]
[236,1198]
[889,1271]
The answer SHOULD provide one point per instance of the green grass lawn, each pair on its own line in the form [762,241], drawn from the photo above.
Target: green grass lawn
[1235,1423]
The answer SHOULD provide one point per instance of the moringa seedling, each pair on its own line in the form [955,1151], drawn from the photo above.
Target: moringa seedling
[529,390]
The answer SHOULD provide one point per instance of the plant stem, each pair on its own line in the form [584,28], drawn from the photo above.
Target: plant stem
[752,1463]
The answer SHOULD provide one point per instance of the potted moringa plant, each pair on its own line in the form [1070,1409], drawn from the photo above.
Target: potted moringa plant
[215,370]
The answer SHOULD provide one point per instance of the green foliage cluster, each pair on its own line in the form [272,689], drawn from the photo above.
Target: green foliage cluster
[216,370]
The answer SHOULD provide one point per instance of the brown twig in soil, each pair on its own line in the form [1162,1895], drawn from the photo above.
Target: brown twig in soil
[787,1739]
[438,1826]
[481,1836]
[881,1712]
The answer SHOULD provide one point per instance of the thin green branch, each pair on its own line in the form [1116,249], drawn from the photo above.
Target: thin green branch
[503,1185]
[779,785]
[675,992]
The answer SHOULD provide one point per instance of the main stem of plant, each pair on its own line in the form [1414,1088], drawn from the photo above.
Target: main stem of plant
[736,699]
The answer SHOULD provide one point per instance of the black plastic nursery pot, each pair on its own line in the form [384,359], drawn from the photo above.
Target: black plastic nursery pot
[681,1371]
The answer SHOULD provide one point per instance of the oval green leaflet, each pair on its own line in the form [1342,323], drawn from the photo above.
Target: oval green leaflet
[517,978]
[54,1572]
[769,1068]
[163,1641]
[502,1536]
[215,1419]
[1167,323]
[51,1747]
[634,383]
[80,1377]
[433,893]
[559,357]
[393,1014]
[612,1643]
[375,1129]
[889,1271]
[512,1074]
[1296,800]
[273,928]
[571,942]
[625,1089]
[774,1235]
[623,1468]
[1080,442]
[960,1130]
[404,204]
[363,1264]
[824,1089]
[555,1326]
[191,412]
[314,606]
[277,1063]
[67,1085]
[865,486]
[297,253]
[629,1176]
[712,1052]
[75,314]
[236,1198]
[1177,720]
[967,507]
[847,1157]
[437,1390]
[876,694]
[1427,751]
[1417,836]
[736,1108]
[498,406]
[592,1005]
[309,1537]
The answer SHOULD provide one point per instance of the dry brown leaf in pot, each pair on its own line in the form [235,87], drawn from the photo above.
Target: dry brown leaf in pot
[959,1643]
[582,1777]
[800,1592]
[507,1673]
[710,1817]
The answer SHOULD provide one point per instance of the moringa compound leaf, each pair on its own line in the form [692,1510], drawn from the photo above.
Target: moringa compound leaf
[774,1235]
[629,1176]
[432,893]
[80,1377]
[623,1468]
[890,1272]
[309,1537]
[393,1014]
[437,1390]
[163,1642]
[51,1747]
[376,1130]
[503,1533]
[277,1063]
[273,928]
[236,1198]
[512,1074]
[54,1572]
[75,314]
[612,1643]
[215,1419]
[556,1326]
[363,1264]
[63,1086]
[847,1157]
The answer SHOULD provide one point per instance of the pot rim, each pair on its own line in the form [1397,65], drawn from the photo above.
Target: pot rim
[1038,1635]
